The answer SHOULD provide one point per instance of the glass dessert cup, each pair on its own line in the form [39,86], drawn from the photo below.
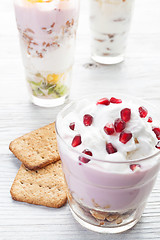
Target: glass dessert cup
[109,22]
[100,199]
[47,32]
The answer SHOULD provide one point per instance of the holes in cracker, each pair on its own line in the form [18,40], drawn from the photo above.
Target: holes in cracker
[38,152]
[31,184]
[51,139]
[21,182]
[49,187]
[59,165]
[40,185]
[42,157]
[36,171]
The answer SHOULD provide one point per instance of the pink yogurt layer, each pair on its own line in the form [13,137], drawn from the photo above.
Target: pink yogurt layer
[44,23]
[121,191]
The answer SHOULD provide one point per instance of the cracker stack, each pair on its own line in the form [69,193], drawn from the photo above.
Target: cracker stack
[40,178]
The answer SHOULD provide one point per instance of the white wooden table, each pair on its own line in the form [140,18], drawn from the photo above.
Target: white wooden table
[139,75]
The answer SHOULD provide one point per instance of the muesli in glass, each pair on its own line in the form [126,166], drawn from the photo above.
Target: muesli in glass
[47,30]
[110,23]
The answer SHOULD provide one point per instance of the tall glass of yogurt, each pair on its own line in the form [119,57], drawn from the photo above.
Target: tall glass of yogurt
[47,31]
[110,150]
[109,22]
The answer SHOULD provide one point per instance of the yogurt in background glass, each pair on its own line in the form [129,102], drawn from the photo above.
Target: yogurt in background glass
[109,22]
[47,30]
[108,192]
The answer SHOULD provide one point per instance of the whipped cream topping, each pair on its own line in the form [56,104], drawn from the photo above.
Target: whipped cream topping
[94,138]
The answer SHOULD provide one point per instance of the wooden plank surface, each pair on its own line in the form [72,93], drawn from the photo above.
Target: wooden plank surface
[139,75]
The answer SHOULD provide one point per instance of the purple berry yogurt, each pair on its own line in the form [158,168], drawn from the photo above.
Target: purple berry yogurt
[110,159]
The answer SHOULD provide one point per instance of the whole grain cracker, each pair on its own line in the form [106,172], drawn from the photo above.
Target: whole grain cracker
[38,148]
[41,187]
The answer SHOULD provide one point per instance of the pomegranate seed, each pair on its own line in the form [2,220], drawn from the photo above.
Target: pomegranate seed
[125,136]
[76,141]
[83,159]
[103,101]
[115,100]
[72,126]
[119,125]
[109,129]
[134,166]
[110,149]
[143,112]
[158,145]
[126,114]
[157,132]
[87,120]
[150,120]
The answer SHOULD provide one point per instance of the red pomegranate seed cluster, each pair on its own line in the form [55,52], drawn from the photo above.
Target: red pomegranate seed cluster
[106,101]
[118,126]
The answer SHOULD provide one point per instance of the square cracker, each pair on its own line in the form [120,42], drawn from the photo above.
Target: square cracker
[38,148]
[45,186]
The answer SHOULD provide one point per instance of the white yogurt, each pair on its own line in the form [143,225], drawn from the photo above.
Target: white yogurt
[110,22]
[56,60]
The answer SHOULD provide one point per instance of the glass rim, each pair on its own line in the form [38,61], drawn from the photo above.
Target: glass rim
[129,161]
